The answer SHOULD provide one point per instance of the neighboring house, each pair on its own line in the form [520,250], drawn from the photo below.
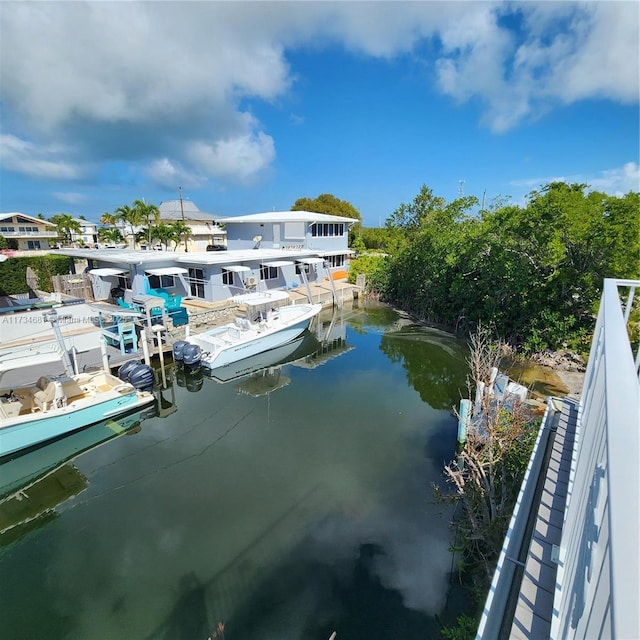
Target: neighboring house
[327,236]
[25,232]
[88,235]
[266,251]
[207,275]
[204,230]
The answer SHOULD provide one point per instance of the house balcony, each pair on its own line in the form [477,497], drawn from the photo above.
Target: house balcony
[29,234]
[570,564]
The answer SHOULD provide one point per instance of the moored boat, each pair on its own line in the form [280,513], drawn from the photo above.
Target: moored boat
[56,405]
[266,325]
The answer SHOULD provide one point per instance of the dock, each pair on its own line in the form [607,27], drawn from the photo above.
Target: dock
[203,315]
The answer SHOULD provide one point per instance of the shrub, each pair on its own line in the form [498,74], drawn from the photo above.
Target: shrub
[13,272]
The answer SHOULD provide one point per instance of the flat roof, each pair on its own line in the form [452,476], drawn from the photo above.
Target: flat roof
[286,216]
[127,256]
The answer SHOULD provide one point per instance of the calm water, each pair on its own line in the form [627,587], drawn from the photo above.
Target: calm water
[286,504]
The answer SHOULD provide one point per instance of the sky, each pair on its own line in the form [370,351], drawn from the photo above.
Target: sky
[244,107]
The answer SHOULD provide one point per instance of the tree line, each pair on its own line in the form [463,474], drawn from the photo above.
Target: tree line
[136,223]
[142,221]
[533,273]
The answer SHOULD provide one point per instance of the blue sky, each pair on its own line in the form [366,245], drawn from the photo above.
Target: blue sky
[250,105]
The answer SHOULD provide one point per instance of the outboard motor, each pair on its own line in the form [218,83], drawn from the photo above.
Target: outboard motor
[194,381]
[142,377]
[125,370]
[191,354]
[178,349]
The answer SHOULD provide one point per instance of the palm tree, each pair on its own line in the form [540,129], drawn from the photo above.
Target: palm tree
[180,232]
[66,225]
[131,216]
[148,212]
[165,234]
[109,218]
[112,235]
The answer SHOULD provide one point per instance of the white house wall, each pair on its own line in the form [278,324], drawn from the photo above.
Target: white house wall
[211,264]
[283,236]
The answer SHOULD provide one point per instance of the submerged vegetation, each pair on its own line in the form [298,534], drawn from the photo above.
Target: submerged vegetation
[533,273]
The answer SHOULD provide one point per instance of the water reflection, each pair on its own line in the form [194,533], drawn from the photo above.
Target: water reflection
[434,361]
[34,482]
[189,378]
[288,517]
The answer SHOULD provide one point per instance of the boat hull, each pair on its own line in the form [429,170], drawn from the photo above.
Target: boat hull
[43,427]
[256,343]
[303,344]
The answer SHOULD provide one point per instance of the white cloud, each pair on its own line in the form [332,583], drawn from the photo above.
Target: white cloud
[168,80]
[597,56]
[238,157]
[70,197]
[618,181]
[562,52]
[615,182]
[36,161]
[171,174]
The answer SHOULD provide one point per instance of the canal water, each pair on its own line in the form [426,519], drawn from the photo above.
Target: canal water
[286,503]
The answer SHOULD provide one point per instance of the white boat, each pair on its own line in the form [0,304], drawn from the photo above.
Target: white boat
[305,344]
[56,405]
[265,326]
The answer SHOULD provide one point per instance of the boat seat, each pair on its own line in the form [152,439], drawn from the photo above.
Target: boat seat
[47,394]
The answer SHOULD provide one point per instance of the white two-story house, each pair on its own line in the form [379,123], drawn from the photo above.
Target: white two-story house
[88,235]
[326,235]
[266,251]
[24,232]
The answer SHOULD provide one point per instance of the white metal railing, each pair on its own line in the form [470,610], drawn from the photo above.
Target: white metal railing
[597,586]
[499,592]
[30,234]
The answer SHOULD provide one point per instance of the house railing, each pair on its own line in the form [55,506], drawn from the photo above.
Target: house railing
[597,586]
[30,234]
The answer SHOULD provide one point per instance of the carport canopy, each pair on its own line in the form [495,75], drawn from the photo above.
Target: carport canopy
[277,263]
[311,260]
[107,271]
[236,268]
[166,271]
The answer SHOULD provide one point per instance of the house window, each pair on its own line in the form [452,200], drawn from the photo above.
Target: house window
[335,261]
[268,273]
[196,280]
[161,282]
[227,277]
[124,282]
[302,266]
[328,229]
[8,229]
[33,244]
